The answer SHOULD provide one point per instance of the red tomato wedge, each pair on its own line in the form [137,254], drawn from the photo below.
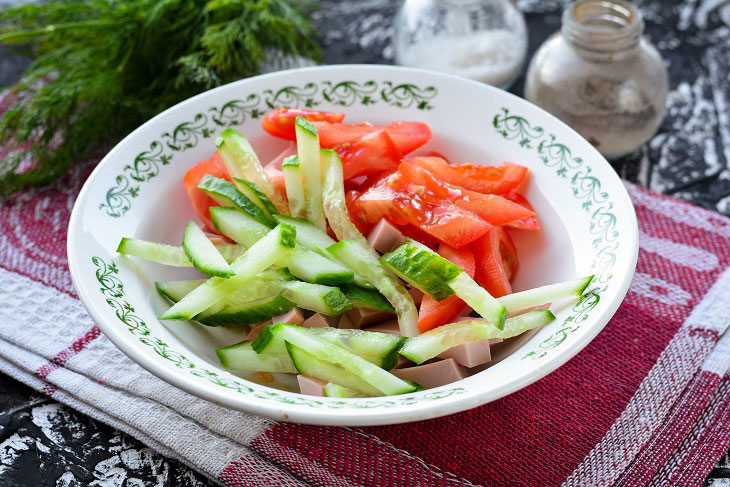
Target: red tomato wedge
[484,179]
[436,313]
[419,235]
[280,121]
[527,223]
[493,209]
[200,201]
[276,177]
[446,222]
[371,154]
[407,136]
[496,261]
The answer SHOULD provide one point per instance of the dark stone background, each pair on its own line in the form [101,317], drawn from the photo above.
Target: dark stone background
[43,443]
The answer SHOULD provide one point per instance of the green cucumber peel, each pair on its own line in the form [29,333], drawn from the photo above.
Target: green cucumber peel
[290,161]
[306,125]
[203,254]
[170,254]
[238,225]
[423,269]
[319,298]
[433,342]
[241,356]
[366,298]
[247,313]
[225,193]
[255,194]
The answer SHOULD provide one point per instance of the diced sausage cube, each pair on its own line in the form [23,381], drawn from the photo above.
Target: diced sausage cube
[385,237]
[363,317]
[255,330]
[416,294]
[469,354]
[390,327]
[345,322]
[311,386]
[294,317]
[434,374]
[320,321]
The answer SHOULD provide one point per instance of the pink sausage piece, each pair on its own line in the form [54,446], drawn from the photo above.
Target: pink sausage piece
[390,327]
[345,322]
[403,363]
[434,374]
[385,237]
[255,330]
[320,321]
[416,294]
[363,317]
[469,354]
[294,317]
[311,386]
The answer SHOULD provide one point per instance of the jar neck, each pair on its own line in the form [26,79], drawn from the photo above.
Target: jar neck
[602,27]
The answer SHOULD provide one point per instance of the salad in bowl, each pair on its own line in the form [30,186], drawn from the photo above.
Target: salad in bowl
[352,245]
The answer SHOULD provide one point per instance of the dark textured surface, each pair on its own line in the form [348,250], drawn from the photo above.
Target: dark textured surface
[43,443]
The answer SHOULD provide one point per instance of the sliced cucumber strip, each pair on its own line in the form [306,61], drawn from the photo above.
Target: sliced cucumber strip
[310,266]
[170,254]
[309,365]
[274,247]
[311,237]
[439,278]
[237,225]
[365,298]
[242,162]
[254,193]
[364,263]
[225,193]
[176,290]
[422,269]
[309,166]
[334,390]
[203,254]
[246,313]
[335,206]
[433,342]
[294,186]
[479,299]
[380,349]
[545,294]
[315,297]
[326,351]
[242,357]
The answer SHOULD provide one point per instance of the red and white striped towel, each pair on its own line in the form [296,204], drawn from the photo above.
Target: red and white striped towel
[646,403]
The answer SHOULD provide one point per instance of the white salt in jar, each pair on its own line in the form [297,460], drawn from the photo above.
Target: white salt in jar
[601,76]
[485,40]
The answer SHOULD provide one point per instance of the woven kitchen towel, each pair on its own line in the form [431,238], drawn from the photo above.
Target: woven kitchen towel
[647,402]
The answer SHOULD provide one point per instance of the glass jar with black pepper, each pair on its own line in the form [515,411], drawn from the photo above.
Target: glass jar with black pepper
[601,76]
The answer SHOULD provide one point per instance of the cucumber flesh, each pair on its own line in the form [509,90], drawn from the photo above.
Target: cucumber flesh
[365,298]
[315,297]
[170,254]
[365,264]
[311,237]
[254,193]
[203,254]
[380,349]
[334,390]
[247,313]
[335,206]
[225,193]
[479,299]
[274,248]
[423,269]
[294,187]
[176,290]
[242,162]
[310,168]
[237,225]
[433,342]
[545,294]
[242,357]
[312,267]
[309,365]
[323,350]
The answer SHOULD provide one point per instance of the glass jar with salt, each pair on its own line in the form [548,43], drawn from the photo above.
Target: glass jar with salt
[601,76]
[485,40]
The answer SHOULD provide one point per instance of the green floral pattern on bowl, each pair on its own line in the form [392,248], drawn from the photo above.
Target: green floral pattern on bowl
[148,163]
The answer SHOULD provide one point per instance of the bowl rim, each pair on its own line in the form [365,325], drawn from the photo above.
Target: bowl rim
[332,416]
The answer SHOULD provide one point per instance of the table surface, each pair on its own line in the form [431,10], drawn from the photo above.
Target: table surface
[45,443]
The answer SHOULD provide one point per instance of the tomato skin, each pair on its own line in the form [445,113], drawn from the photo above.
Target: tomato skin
[407,136]
[527,223]
[493,209]
[436,313]
[280,121]
[371,154]
[200,201]
[276,177]
[496,261]
[483,179]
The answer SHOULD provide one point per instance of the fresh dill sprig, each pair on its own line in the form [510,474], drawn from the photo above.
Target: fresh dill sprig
[102,67]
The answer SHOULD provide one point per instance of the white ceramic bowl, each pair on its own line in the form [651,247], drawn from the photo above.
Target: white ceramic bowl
[588,227]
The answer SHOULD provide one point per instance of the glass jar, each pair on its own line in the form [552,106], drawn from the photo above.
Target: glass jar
[600,76]
[485,40]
